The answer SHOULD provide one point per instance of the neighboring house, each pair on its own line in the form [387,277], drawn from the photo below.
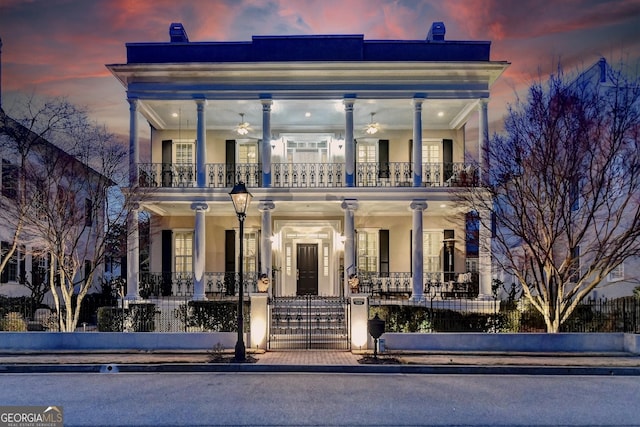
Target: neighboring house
[353,150]
[622,280]
[29,264]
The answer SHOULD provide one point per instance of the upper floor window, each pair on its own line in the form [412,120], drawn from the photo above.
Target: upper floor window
[367,152]
[250,247]
[431,151]
[183,152]
[247,153]
[9,179]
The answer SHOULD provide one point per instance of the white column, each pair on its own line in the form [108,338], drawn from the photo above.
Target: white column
[417,295]
[349,143]
[417,142]
[201,145]
[133,254]
[199,250]
[349,206]
[266,142]
[134,144]
[483,140]
[265,207]
[484,256]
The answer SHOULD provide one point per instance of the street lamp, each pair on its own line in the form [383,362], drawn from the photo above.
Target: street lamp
[241,199]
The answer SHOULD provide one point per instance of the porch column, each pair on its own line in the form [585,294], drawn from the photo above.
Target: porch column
[266,142]
[201,145]
[199,249]
[483,140]
[265,207]
[417,141]
[133,254]
[485,276]
[349,206]
[134,144]
[349,143]
[417,293]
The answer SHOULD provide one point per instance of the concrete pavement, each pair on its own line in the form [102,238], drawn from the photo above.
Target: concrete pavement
[326,361]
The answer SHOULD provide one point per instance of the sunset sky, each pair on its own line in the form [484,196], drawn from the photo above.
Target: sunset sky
[60,47]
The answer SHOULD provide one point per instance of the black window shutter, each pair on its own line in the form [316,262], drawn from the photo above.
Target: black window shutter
[167,261]
[230,160]
[383,158]
[230,261]
[4,277]
[167,159]
[384,252]
[447,158]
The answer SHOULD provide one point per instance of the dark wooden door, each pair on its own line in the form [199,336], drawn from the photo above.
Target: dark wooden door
[307,262]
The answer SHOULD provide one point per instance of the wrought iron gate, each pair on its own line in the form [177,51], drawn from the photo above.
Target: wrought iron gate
[309,322]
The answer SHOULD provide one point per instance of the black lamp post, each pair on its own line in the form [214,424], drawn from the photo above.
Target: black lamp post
[241,199]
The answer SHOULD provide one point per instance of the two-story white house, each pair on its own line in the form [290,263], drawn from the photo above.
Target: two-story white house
[351,148]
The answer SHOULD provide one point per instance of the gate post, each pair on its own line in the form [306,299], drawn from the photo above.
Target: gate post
[259,325]
[359,317]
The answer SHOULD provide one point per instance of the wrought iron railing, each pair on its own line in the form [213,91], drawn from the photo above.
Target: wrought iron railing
[400,285]
[181,284]
[309,175]
[167,174]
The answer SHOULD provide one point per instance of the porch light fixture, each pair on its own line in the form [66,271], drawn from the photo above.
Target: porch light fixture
[373,127]
[241,199]
[243,127]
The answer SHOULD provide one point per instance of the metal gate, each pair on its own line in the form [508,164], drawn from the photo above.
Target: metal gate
[309,322]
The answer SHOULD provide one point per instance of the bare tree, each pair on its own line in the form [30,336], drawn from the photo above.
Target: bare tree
[20,138]
[69,201]
[563,188]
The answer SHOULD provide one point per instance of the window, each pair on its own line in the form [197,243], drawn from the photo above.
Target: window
[431,245]
[431,151]
[368,251]
[88,212]
[14,270]
[183,152]
[472,232]
[9,180]
[616,274]
[250,258]
[367,152]
[247,153]
[183,250]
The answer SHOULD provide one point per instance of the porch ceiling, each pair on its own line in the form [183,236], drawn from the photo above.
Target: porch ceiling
[323,114]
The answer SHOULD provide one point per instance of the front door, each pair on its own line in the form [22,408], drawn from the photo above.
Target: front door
[307,263]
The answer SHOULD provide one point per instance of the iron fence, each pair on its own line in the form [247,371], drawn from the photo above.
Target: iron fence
[181,314]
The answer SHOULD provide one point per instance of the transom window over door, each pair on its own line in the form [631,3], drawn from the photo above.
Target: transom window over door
[183,250]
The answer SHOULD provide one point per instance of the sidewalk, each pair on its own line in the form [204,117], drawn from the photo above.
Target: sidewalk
[325,361]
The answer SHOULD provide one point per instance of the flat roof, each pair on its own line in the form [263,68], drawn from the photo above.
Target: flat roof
[332,48]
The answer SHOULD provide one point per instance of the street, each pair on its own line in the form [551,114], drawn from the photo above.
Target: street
[204,399]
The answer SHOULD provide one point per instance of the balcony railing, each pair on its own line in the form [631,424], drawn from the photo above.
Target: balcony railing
[181,284]
[400,285]
[309,175]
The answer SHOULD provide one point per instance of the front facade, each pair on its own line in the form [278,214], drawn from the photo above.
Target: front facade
[352,149]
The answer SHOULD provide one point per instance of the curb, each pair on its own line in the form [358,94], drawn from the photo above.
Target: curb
[337,369]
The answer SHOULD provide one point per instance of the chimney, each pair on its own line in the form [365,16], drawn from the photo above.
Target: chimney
[177,33]
[436,33]
[602,63]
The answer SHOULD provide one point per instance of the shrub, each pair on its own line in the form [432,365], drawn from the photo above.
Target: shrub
[110,319]
[143,317]
[220,316]
[13,322]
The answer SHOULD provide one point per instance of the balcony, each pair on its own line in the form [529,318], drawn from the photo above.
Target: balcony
[309,175]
